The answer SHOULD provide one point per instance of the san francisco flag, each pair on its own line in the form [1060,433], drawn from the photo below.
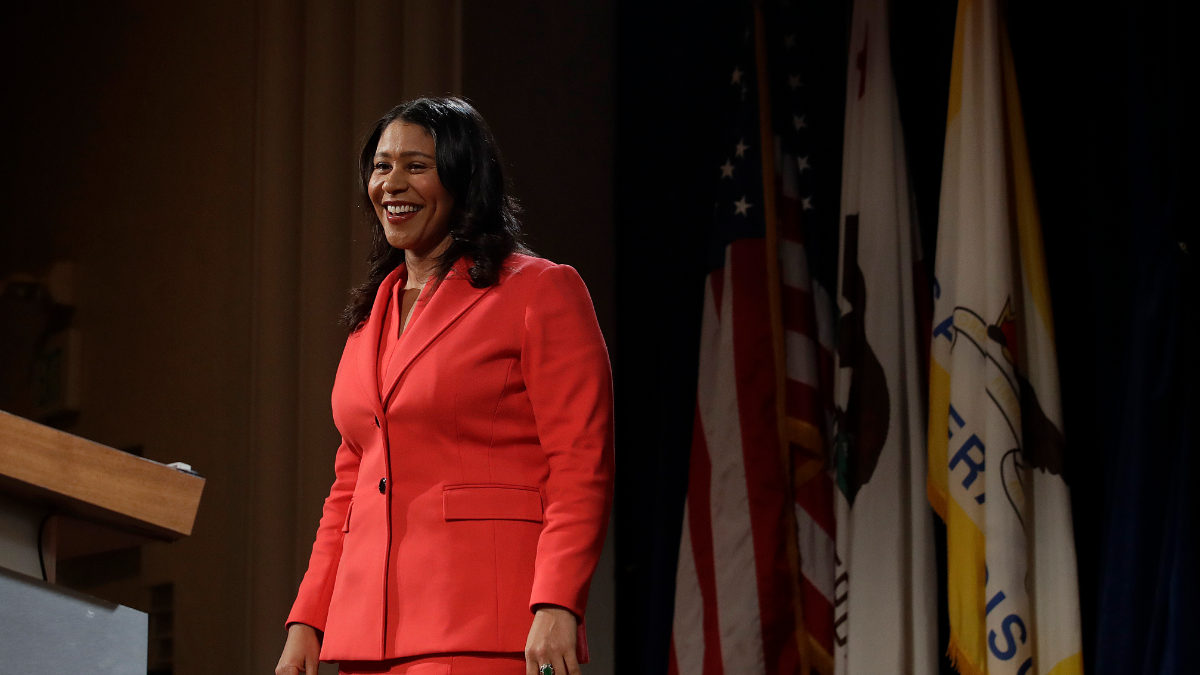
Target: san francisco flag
[995,425]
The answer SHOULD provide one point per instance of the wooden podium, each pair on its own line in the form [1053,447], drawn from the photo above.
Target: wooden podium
[62,497]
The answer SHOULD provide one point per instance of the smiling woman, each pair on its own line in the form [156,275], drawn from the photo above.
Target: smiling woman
[437,153]
[408,197]
[474,401]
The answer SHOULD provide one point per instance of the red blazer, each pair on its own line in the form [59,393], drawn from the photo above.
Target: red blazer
[477,483]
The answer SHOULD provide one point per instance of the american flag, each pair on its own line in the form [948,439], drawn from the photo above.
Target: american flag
[750,590]
[806,214]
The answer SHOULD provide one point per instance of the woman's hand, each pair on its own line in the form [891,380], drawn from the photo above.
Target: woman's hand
[301,652]
[552,640]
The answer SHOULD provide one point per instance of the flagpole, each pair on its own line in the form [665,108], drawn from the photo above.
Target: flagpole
[775,302]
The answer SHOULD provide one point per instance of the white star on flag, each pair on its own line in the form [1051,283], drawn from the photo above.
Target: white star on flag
[737,76]
[727,169]
[741,206]
[798,121]
[802,164]
[807,203]
[794,81]
[741,148]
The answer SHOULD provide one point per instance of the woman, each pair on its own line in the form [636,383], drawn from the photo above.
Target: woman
[474,400]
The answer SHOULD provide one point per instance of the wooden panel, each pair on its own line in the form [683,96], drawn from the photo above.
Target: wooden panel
[95,481]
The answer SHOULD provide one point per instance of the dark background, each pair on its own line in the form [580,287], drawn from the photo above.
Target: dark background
[1101,90]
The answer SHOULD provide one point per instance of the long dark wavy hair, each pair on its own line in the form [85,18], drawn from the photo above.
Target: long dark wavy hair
[483,225]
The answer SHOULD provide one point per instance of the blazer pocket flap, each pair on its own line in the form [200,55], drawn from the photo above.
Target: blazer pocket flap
[492,502]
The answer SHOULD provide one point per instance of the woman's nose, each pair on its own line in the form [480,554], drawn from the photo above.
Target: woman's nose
[395,182]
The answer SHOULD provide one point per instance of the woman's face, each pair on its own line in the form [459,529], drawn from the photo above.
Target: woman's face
[410,201]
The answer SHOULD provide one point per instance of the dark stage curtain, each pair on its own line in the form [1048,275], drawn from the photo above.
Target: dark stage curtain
[669,74]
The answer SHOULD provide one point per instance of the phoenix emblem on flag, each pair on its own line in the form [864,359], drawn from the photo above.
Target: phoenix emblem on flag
[1004,333]
[1043,441]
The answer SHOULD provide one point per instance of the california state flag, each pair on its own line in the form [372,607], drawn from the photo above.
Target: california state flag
[885,608]
[995,423]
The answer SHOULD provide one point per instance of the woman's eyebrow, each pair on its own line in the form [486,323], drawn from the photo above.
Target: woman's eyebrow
[385,155]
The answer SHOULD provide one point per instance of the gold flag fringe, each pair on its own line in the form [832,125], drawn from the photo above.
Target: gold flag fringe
[960,661]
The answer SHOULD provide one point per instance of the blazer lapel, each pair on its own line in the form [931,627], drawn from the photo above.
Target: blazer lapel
[368,336]
[453,296]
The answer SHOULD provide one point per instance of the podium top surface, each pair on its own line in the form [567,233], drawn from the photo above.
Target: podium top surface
[94,481]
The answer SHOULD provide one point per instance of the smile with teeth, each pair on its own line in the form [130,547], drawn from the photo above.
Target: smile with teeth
[396,209]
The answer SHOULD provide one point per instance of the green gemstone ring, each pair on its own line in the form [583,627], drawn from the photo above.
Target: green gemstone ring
[546,669]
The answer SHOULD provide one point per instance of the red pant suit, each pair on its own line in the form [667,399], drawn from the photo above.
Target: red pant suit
[477,483]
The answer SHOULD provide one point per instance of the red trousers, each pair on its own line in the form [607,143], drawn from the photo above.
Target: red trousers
[443,664]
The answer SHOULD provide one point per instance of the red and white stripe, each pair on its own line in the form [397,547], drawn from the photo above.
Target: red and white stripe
[734,611]
[808,331]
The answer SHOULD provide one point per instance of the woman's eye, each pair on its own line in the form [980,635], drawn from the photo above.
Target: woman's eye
[416,166]
[381,166]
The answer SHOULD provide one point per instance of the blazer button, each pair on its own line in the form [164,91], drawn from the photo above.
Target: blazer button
[382,485]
